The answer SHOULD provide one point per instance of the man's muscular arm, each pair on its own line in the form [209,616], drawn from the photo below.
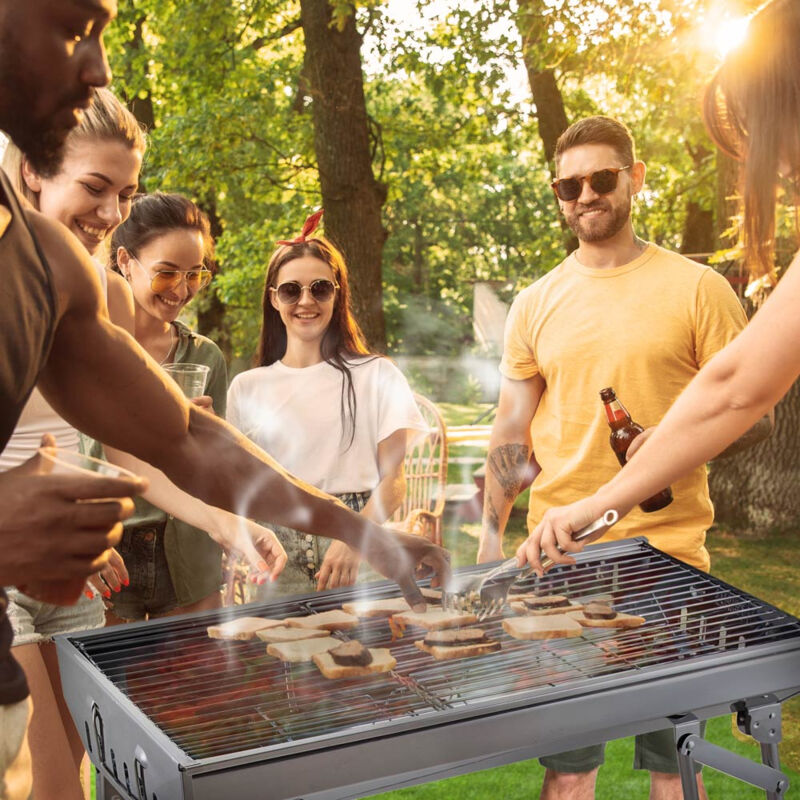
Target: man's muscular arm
[508,460]
[104,384]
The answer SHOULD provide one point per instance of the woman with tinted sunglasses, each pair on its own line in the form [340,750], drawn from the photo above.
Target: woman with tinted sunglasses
[752,111]
[331,412]
[165,251]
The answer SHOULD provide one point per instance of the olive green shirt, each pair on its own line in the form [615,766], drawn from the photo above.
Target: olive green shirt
[193,557]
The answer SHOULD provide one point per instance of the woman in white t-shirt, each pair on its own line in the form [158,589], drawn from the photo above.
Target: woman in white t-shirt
[326,408]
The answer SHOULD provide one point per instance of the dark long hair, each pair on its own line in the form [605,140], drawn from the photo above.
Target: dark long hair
[751,109]
[153,215]
[343,339]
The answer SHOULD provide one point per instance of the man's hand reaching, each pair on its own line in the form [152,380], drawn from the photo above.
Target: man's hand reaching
[59,527]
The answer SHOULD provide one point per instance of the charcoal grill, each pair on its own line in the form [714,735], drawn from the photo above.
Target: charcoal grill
[167,713]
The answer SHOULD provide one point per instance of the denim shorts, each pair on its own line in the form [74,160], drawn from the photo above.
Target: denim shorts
[150,591]
[34,621]
[655,752]
[305,554]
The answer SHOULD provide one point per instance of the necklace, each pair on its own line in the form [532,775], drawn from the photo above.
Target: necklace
[171,345]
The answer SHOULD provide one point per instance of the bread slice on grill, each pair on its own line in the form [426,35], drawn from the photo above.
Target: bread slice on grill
[382,661]
[242,628]
[286,634]
[450,643]
[434,618]
[366,609]
[433,597]
[304,650]
[336,620]
[543,605]
[621,620]
[552,626]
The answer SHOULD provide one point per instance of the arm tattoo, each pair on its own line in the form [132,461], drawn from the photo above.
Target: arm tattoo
[508,463]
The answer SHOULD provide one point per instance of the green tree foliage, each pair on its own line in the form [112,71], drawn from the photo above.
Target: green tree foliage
[454,130]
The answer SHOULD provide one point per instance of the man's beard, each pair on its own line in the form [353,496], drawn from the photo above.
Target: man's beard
[39,139]
[613,221]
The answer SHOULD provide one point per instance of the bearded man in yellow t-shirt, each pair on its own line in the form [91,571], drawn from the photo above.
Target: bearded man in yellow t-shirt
[617,312]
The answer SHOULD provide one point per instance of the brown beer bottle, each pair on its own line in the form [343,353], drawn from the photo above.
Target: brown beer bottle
[623,431]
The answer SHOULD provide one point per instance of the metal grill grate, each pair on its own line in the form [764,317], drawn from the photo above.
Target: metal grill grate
[214,698]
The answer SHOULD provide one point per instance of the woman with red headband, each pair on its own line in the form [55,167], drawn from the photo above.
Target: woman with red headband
[752,110]
[326,408]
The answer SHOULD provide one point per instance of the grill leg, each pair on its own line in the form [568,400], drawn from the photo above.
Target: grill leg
[760,717]
[686,726]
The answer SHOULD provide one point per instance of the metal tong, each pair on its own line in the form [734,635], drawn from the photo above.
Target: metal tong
[485,595]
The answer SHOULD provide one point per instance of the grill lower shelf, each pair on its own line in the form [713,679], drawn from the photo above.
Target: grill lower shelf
[167,713]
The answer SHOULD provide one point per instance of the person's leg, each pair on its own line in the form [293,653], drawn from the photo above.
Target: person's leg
[211,601]
[572,775]
[55,772]
[15,756]
[657,753]
[666,786]
[50,658]
[568,785]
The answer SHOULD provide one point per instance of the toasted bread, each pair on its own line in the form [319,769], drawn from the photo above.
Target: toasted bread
[621,620]
[520,605]
[304,650]
[434,618]
[382,661]
[432,597]
[552,626]
[285,634]
[366,609]
[450,646]
[242,628]
[336,620]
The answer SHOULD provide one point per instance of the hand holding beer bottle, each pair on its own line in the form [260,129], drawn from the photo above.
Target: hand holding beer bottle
[623,431]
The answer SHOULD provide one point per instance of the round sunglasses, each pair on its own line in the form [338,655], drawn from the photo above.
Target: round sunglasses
[604,181]
[167,280]
[290,292]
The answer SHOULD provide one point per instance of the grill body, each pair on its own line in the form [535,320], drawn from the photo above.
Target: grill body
[167,713]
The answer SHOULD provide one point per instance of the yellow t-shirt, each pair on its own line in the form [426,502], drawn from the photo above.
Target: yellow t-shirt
[645,329]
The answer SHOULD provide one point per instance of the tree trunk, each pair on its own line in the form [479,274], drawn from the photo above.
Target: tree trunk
[757,489]
[351,195]
[551,116]
[698,230]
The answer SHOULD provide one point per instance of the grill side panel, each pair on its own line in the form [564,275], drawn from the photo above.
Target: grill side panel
[117,736]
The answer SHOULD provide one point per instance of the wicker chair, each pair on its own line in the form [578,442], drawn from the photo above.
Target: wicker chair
[426,478]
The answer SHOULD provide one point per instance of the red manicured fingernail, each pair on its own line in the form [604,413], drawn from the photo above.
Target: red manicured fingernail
[89,594]
[126,582]
[107,593]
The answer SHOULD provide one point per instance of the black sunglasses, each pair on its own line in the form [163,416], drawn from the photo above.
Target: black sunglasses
[604,181]
[290,292]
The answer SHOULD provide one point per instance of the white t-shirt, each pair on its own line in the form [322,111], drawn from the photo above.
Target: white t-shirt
[295,415]
[38,418]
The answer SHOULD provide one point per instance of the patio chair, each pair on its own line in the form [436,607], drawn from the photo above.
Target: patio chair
[426,478]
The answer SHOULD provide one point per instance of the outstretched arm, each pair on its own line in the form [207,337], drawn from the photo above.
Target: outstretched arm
[508,460]
[104,384]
